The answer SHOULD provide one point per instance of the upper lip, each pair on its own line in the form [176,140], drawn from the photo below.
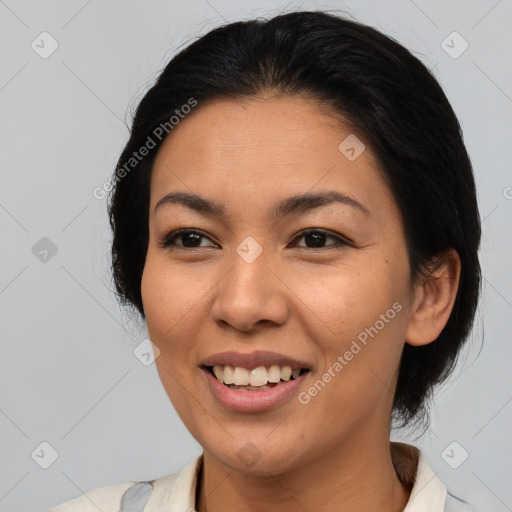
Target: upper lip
[253,360]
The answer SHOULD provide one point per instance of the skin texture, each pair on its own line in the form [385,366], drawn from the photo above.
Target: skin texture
[333,452]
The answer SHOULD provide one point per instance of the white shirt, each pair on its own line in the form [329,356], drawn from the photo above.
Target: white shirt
[176,492]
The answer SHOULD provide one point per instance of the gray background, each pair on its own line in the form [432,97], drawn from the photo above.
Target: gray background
[68,373]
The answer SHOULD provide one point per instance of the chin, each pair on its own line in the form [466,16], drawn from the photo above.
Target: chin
[261,457]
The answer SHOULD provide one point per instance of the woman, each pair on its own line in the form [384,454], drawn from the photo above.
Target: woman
[295,218]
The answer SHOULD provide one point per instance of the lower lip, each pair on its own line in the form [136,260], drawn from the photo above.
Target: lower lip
[253,401]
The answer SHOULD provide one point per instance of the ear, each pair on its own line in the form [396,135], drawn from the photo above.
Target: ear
[434,296]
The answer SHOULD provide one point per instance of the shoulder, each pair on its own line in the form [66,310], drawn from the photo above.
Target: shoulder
[106,499]
[428,492]
[159,494]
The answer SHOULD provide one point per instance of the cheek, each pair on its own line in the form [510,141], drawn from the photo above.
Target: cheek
[170,298]
[342,301]
[171,318]
[359,327]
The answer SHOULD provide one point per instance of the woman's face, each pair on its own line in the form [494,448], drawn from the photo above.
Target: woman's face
[252,289]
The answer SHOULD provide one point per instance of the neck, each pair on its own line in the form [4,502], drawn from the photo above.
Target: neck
[351,478]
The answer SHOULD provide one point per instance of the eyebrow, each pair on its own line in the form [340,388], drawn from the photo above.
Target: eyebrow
[297,204]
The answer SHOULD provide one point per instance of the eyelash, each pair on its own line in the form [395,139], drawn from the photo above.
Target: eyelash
[167,242]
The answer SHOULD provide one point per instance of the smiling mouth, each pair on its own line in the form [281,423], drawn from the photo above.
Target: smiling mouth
[256,379]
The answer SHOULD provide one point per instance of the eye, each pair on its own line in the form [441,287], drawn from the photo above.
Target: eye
[188,237]
[317,237]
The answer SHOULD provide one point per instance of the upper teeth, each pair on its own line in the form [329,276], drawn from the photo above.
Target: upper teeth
[256,377]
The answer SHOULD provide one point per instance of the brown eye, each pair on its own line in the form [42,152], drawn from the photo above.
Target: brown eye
[316,238]
[189,238]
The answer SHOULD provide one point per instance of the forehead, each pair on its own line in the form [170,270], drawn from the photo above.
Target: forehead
[247,151]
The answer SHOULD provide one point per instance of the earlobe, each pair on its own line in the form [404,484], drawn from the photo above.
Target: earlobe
[434,298]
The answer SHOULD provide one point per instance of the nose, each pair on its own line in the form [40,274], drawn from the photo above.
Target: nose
[249,295]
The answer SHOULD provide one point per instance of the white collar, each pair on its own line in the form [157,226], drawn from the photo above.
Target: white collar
[428,493]
[178,491]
